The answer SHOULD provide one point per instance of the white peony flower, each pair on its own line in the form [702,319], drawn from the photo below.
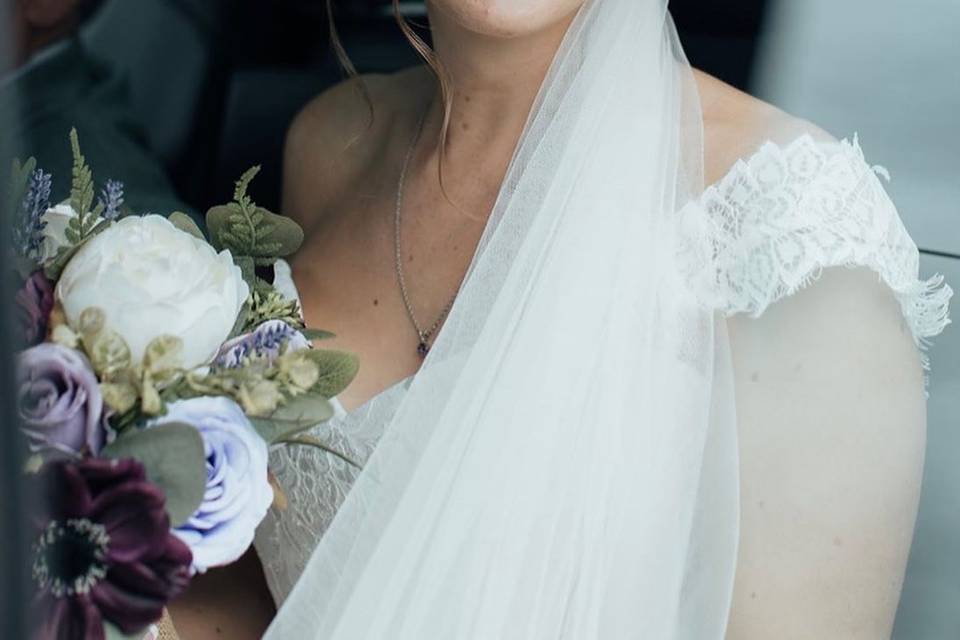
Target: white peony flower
[151,279]
[54,233]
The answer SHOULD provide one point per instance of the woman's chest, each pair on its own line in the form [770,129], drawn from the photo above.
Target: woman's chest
[379,296]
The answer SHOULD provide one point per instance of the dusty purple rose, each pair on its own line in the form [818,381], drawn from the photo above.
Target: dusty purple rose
[269,340]
[34,304]
[104,551]
[59,401]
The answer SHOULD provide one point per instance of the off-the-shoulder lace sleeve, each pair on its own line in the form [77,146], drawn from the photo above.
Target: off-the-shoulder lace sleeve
[778,219]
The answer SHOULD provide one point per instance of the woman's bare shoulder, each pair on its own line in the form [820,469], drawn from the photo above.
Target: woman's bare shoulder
[736,124]
[339,133]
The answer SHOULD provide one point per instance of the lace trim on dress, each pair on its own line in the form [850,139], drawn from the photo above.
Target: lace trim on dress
[773,224]
[315,484]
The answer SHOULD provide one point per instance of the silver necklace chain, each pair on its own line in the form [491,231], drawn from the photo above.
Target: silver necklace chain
[424,335]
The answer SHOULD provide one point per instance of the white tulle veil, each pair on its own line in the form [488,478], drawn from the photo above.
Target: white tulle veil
[564,464]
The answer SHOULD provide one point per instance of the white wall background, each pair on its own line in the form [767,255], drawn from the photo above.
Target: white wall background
[890,70]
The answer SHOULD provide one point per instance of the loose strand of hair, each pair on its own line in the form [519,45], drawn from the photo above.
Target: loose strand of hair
[349,70]
[446,89]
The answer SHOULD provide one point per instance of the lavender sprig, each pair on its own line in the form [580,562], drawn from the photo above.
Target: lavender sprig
[28,229]
[269,340]
[111,198]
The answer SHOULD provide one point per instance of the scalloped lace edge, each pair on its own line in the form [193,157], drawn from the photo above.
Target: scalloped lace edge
[840,178]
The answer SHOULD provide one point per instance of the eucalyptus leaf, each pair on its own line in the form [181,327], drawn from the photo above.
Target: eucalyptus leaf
[186,224]
[249,230]
[317,334]
[173,456]
[247,270]
[254,232]
[294,417]
[337,370]
[112,633]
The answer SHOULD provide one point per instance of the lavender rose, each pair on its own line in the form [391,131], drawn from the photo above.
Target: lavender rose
[34,304]
[238,492]
[59,402]
[269,340]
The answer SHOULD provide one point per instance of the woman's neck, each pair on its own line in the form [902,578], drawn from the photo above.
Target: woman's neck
[493,83]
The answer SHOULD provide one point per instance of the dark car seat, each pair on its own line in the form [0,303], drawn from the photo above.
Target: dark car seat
[170,52]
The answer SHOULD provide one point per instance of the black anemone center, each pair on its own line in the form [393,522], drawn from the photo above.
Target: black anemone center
[70,556]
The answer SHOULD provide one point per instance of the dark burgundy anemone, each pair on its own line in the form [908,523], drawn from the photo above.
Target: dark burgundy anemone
[105,551]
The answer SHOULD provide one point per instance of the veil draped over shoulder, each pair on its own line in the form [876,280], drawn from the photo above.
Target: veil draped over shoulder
[564,465]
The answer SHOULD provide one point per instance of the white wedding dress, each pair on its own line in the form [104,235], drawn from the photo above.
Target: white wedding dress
[769,227]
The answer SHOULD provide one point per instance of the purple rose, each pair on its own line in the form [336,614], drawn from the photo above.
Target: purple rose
[104,550]
[238,491]
[269,340]
[59,401]
[34,303]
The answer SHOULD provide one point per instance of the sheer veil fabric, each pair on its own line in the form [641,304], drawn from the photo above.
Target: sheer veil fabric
[564,465]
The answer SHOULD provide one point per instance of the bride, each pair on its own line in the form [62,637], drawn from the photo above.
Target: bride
[597,400]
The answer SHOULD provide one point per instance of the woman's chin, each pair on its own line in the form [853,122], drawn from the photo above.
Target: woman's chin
[507,18]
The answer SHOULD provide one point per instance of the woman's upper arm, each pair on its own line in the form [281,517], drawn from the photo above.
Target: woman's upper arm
[832,421]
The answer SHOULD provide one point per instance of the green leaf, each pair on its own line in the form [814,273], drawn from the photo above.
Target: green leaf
[337,370]
[83,191]
[101,226]
[293,417]
[317,334]
[173,456]
[33,463]
[66,253]
[247,270]
[248,230]
[269,304]
[186,224]
[113,633]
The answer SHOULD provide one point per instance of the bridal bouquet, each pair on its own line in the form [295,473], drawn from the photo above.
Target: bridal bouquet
[157,368]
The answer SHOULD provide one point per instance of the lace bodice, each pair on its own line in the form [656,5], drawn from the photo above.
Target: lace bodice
[766,230]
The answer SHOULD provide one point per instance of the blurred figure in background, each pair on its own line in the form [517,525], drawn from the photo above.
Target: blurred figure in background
[56,85]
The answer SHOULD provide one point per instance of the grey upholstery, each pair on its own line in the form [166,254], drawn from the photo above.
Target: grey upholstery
[166,49]
[929,606]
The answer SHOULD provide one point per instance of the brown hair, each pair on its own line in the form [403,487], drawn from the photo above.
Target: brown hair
[423,49]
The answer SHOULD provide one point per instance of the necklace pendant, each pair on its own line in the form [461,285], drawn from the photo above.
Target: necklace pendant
[422,349]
